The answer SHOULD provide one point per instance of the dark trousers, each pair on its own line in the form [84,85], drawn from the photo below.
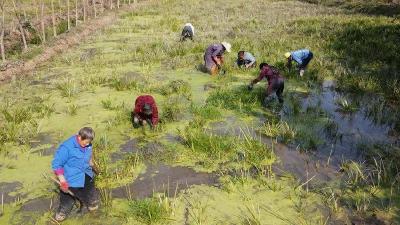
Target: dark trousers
[306,61]
[277,87]
[87,196]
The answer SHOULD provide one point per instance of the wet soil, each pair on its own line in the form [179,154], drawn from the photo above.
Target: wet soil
[131,146]
[6,188]
[164,178]
[40,205]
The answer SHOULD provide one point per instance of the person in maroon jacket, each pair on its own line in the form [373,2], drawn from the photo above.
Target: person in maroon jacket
[145,111]
[275,83]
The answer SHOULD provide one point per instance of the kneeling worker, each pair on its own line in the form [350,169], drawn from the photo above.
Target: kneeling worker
[214,57]
[145,111]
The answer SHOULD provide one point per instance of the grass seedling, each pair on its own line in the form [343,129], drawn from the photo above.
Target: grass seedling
[252,216]
[68,88]
[72,110]
[107,104]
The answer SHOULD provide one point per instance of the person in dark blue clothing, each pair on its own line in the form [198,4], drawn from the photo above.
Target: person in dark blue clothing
[73,166]
[302,57]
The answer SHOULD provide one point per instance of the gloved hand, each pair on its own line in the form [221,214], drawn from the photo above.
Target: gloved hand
[64,186]
[250,87]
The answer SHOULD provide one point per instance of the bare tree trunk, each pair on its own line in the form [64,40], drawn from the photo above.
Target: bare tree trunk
[3,54]
[111,4]
[117,4]
[102,5]
[59,8]
[76,13]
[53,19]
[36,6]
[94,8]
[21,29]
[42,21]
[84,10]
[68,18]
[129,2]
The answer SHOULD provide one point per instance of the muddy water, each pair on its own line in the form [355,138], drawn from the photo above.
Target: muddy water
[163,178]
[290,160]
[6,189]
[353,128]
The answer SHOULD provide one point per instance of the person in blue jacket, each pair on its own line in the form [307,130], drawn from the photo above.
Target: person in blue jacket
[302,57]
[73,166]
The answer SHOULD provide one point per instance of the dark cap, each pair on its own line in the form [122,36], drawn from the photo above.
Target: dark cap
[147,109]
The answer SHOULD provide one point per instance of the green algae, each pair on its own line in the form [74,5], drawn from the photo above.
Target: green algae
[145,43]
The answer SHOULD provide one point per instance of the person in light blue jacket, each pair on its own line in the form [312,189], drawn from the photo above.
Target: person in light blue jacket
[73,165]
[245,59]
[302,57]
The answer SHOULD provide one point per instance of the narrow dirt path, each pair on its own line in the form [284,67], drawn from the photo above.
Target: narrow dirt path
[64,42]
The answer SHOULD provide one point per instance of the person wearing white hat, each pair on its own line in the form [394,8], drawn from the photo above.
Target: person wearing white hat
[214,57]
[302,57]
[187,32]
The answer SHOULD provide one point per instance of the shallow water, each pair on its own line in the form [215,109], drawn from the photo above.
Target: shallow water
[354,128]
[164,178]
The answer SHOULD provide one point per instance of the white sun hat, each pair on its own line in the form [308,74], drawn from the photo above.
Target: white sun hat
[227,46]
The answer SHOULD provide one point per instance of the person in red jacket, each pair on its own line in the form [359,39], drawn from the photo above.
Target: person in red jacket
[145,111]
[275,83]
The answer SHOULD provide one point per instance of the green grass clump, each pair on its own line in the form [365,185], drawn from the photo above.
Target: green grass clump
[72,109]
[346,106]
[238,98]
[68,87]
[175,108]
[179,87]
[18,123]
[151,210]
[122,84]
[213,149]
[207,112]
[107,104]
[281,130]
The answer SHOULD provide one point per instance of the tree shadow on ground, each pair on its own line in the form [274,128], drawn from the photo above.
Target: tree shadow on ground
[374,8]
